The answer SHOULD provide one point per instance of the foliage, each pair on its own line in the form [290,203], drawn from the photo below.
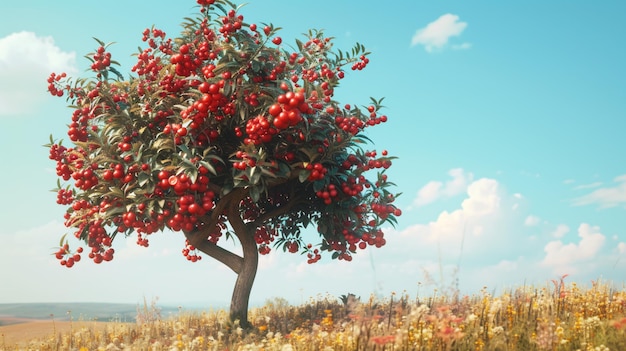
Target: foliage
[527,318]
[223,123]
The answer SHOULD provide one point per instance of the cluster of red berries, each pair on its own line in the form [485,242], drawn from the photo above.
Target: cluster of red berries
[352,124]
[101,60]
[181,183]
[231,23]
[353,185]
[57,152]
[187,204]
[64,160]
[292,246]
[65,196]
[66,258]
[54,83]
[86,178]
[205,2]
[318,171]
[264,237]
[374,118]
[288,109]
[98,257]
[246,161]
[190,252]
[313,255]
[359,65]
[147,64]
[328,193]
[142,241]
[383,210]
[259,130]
[185,63]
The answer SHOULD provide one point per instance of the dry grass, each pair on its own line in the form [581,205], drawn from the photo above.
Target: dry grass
[19,332]
[554,318]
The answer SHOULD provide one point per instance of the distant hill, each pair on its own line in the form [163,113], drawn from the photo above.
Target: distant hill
[76,311]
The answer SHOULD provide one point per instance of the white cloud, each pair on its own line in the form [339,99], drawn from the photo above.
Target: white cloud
[26,61]
[429,193]
[565,258]
[434,190]
[479,240]
[483,198]
[560,231]
[475,218]
[436,34]
[531,221]
[607,196]
[588,186]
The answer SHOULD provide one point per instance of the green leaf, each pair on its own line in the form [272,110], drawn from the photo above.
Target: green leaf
[268,173]
[99,41]
[190,170]
[62,239]
[255,175]
[116,72]
[304,175]
[186,150]
[255,193]
[143,178]
[114,210]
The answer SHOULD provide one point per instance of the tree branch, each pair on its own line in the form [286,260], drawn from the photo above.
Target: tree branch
[199,238]
[236,195]
[293,201]
[229,259]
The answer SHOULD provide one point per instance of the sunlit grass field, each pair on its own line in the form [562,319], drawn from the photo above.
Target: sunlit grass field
[558,316]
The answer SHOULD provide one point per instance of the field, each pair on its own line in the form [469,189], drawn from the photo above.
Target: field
[555,317]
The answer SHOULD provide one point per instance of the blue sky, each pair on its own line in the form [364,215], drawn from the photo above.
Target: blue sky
[508,121]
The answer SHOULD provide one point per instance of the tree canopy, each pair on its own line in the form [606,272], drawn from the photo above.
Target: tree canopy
[223,131]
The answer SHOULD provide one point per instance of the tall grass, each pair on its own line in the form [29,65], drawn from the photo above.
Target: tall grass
[558,317]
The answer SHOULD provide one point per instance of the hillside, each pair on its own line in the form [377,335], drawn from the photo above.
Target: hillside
[12,313]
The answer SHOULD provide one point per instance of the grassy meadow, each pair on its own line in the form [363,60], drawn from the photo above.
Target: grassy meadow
[558,316]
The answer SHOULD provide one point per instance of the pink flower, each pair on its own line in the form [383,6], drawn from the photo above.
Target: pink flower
[383,339]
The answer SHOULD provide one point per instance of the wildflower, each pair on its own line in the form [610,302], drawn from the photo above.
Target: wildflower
[546,336]
[450,333]
[383,339]
[470,318]
[497,330]
[619,324]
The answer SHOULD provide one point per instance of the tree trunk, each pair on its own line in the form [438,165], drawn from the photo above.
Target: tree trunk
[243,284]
[249,264]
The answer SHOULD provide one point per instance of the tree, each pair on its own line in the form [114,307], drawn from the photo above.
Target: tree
[222,132]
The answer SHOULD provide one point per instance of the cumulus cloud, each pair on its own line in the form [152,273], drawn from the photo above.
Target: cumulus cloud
[560,231]
[607,196]
[436,34]
[26,60]
[531,221]
[483,200]
[565,258]
[435,190]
